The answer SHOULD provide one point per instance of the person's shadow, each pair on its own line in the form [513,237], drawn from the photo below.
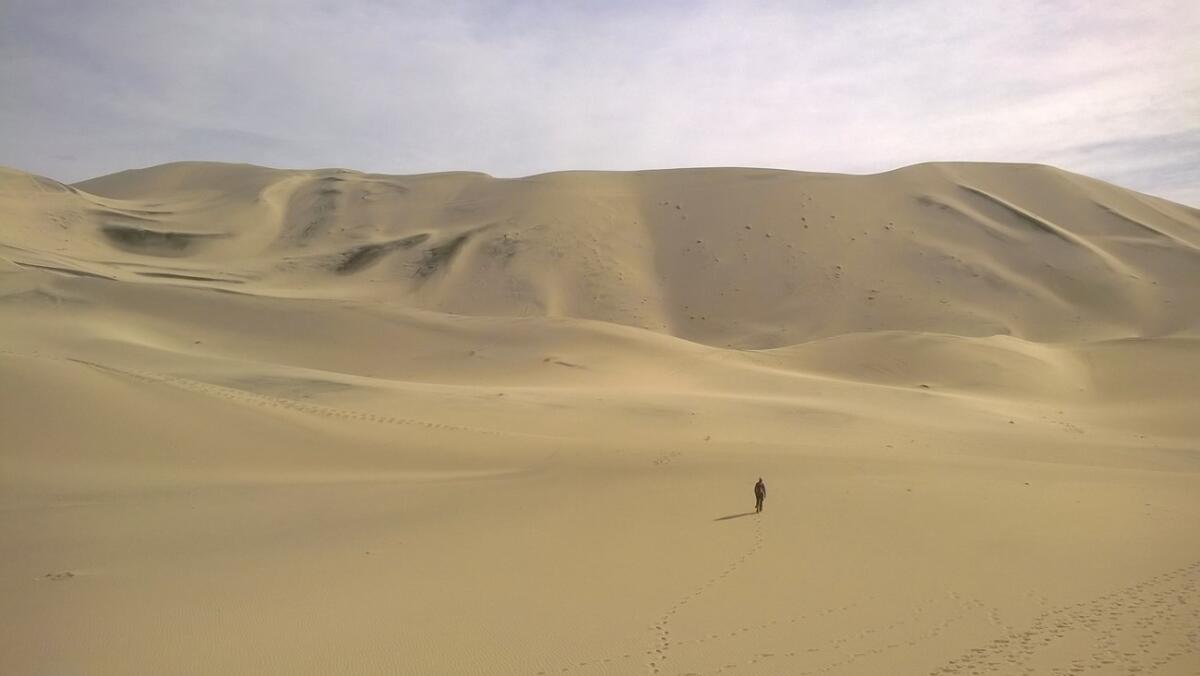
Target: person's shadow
[735,516]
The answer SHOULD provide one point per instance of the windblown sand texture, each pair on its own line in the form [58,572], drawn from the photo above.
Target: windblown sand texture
[256,421]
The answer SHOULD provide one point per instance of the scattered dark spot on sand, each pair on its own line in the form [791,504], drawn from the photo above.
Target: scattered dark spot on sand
[504,247]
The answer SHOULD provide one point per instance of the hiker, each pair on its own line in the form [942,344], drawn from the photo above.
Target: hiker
[760,494]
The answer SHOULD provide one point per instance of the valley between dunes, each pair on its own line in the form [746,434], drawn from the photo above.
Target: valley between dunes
[259,421]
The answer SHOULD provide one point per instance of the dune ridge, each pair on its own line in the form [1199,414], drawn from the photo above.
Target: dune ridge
[619,247]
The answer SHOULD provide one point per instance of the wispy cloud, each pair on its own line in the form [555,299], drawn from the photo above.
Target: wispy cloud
[1167,163]
[515,88]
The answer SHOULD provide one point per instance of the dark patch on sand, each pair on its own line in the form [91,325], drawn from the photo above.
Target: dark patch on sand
[439,256]
[154,242]
[364,256]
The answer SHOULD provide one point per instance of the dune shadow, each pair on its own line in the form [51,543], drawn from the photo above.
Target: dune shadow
[734,516]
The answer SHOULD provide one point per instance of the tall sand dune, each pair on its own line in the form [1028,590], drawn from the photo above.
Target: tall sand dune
[271,421]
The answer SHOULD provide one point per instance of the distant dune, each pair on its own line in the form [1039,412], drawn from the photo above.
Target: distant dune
[728,257]
[275,421]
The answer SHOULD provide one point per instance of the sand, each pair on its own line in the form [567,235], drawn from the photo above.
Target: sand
[258,421]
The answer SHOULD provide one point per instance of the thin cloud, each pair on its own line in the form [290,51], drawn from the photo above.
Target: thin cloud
[1166,163]
[515,88]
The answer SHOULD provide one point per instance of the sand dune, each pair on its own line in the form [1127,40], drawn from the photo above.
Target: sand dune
[271,421]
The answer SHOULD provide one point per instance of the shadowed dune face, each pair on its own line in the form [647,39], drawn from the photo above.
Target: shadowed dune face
[364,256]
[268,421]
[153,243]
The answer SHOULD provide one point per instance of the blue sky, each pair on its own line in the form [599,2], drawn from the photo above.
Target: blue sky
[1110,89]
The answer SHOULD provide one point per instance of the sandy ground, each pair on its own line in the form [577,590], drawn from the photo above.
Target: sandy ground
[256,421]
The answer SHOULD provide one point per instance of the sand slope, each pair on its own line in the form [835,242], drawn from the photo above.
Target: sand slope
[268,421]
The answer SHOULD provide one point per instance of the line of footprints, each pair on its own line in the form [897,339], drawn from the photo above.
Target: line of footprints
[657,656]
[1142,629]
[662,628]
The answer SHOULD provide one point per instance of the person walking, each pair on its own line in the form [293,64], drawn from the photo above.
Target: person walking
[760,494]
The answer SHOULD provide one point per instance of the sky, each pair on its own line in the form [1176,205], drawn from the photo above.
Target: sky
[1110,89]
